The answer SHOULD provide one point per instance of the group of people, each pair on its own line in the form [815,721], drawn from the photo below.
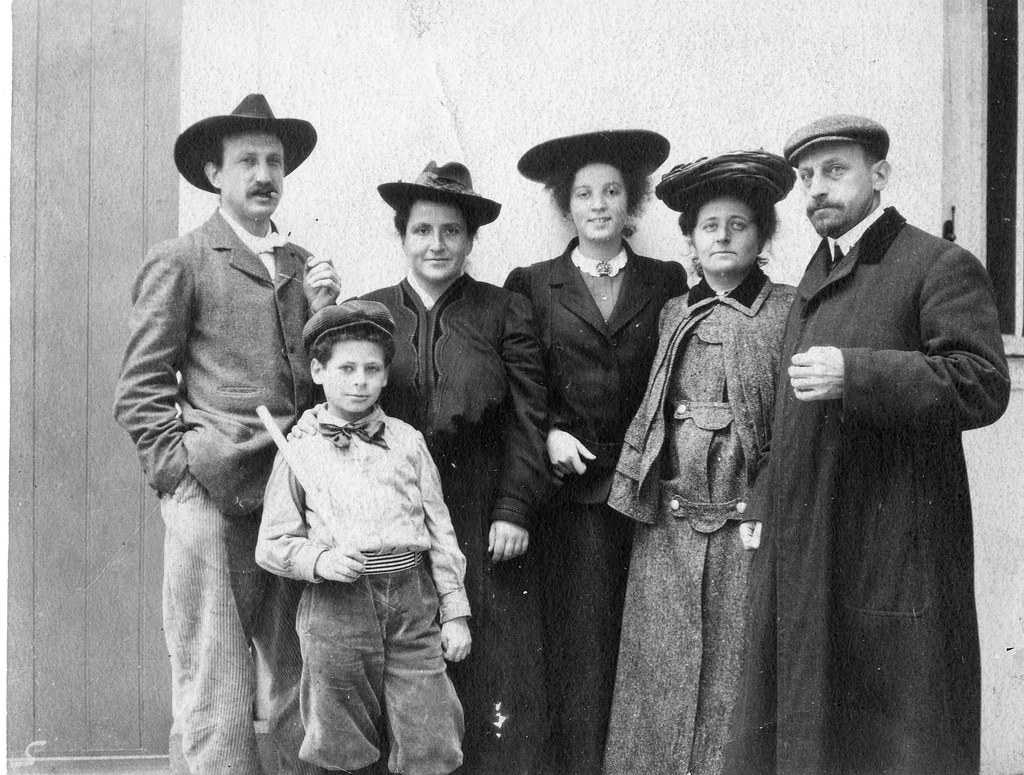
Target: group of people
[519,534]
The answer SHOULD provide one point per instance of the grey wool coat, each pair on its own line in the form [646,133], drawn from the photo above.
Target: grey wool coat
[862,650]
[751,363]
[684,614]
[205,307]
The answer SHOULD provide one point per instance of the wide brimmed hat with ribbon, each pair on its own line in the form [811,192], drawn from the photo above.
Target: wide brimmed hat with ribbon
[625,149]
[450,183]
[201,142]
[766,174]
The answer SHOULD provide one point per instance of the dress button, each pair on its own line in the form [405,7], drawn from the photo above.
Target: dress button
[673,504]
[681,409]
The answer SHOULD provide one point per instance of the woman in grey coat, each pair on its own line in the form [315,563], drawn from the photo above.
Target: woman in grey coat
[689,458]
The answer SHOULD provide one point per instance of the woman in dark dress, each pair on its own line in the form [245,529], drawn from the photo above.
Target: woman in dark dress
[468,374]
[691,453]
[596,308]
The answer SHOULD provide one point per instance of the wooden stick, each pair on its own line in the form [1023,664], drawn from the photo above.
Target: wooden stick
[309,481]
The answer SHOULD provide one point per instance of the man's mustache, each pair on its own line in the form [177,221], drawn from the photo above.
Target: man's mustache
[814,207]
[263,189]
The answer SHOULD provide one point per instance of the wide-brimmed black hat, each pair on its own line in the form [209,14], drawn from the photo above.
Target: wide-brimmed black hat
[351,312]
[450,183]
[201,142]
[624,149]
[756,171]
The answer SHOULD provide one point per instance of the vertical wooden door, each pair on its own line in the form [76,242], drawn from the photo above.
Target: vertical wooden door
[95,114]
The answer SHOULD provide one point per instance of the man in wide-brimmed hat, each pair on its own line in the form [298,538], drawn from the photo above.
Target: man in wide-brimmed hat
[216,330]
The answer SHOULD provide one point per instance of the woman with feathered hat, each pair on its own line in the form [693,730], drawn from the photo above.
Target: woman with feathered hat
[468,373]
[690,455]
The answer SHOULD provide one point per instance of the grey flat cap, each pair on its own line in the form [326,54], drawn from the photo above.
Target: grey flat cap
[839,128]
[348,313]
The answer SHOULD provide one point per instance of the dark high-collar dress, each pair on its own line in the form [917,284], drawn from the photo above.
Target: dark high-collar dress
[469,375]
[596,374]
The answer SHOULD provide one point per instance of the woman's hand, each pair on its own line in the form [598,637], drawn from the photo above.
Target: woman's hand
[339,565]
[567,454]
[307,425]
[507,540]
[455,639]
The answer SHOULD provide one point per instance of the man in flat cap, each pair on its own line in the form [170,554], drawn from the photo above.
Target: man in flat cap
[216,330]
[863,647]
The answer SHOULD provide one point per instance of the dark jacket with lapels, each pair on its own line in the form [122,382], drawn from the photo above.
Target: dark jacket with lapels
[863,642]
[597,371]
[204,307]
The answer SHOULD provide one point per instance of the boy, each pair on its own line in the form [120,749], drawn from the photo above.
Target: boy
[368,622]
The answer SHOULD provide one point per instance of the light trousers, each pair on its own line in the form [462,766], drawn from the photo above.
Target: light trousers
[217,605]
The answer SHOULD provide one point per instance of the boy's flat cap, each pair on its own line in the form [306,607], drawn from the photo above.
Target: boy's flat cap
[347,313]
[839,128]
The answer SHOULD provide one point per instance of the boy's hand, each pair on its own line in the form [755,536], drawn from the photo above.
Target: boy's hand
[307,425]
[339,565]
[507,540]
[455,639]
[321,283]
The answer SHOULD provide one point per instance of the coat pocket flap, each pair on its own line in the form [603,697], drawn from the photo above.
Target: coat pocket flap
[710,417]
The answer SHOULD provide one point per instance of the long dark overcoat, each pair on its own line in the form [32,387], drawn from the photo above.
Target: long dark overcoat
[863,645]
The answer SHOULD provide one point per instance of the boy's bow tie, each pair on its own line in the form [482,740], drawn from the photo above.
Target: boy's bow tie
[341,435]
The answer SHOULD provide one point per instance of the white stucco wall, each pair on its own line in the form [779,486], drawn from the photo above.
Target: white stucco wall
[391,85]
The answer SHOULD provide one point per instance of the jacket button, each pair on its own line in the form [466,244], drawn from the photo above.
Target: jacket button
[673,504]
[681,408]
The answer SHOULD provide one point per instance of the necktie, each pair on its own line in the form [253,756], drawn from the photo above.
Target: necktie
[274,239]
[341,435]
[837,257]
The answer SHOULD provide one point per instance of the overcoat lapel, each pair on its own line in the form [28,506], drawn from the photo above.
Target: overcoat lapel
[869,250]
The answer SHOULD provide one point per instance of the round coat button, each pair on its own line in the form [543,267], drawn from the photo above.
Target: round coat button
[681,408]
[673,504]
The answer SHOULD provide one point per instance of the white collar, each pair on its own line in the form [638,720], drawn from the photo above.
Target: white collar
[257,245]
[852,237]
[428,300]
[599,268]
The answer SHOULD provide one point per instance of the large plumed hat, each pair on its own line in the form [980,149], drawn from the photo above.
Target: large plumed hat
[347,313]
[839,128]
[686,185]
[625,149]
[201,142]
[450,183]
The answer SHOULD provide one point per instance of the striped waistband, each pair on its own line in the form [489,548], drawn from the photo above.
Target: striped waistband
[390,563]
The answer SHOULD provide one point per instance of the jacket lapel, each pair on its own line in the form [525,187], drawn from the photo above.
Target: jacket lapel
[573,293]
[869,250]
[289,265]
[224,240]
[636,293]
